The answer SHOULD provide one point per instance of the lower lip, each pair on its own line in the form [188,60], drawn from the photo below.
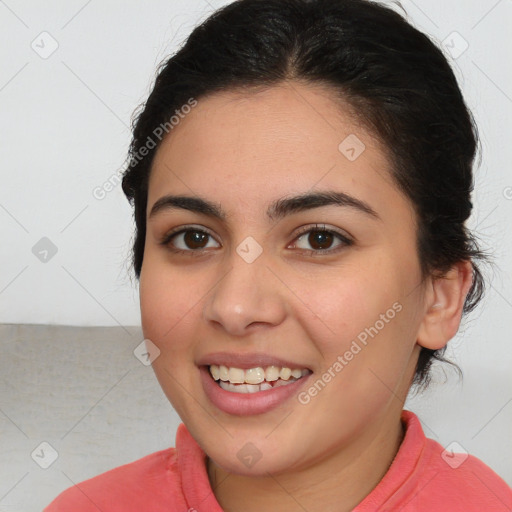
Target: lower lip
[245,404]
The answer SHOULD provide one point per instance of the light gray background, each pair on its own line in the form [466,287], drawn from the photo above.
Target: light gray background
[64,126]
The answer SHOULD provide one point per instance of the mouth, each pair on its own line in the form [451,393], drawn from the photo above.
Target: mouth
[243,384]
[255,380]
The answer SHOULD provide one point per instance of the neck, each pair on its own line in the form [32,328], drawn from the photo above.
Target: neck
[337,483]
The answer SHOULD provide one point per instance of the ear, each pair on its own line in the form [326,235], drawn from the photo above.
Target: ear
[444,303]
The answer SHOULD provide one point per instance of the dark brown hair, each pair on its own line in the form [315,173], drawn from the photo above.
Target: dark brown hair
[396,79]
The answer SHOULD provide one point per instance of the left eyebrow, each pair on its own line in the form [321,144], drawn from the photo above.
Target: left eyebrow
[308,201]
[277,210]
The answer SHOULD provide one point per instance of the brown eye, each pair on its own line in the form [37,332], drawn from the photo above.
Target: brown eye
[195,239]
[320,239]
[190,240]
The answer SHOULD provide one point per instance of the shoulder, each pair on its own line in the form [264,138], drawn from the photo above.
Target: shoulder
[459,481]
[152,480]
[425,476]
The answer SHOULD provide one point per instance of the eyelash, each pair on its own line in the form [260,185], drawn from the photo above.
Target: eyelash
[346,242]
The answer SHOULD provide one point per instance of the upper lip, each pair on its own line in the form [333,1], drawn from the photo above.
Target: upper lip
[246,361]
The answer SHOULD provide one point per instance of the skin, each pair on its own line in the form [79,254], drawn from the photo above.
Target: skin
[242,151]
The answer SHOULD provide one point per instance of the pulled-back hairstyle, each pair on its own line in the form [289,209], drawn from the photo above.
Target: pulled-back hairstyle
[393,76]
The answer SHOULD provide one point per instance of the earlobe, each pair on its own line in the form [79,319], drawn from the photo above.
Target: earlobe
[443,309]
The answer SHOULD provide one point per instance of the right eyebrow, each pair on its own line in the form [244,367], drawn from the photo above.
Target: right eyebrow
[277,210]
[193,204]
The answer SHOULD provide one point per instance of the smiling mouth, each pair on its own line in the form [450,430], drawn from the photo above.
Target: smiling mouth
[253,380]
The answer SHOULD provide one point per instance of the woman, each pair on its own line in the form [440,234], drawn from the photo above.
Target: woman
[301,177]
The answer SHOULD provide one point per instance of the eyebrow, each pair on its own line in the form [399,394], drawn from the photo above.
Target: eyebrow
[277,210]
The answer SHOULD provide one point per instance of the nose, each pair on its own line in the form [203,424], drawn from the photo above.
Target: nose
[247,296]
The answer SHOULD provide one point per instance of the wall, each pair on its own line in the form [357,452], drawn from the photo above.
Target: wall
[71,74]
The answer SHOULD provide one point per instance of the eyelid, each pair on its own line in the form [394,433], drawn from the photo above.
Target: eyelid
[166,238]
[345,238]
[322,227]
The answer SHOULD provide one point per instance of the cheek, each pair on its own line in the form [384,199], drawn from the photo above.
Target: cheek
[342,309]
[168,303]
[362,328]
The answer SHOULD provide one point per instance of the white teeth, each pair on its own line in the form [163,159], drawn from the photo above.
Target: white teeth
[255,379]
[250,388]
[240,388]
[223,373]
[285,373]
[254,375]
[283,382]
[236,376]
[272,373]
[214,370]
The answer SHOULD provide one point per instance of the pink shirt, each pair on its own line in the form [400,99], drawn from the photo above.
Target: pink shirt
[175,480]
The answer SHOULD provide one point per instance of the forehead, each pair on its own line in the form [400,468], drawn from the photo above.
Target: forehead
[271,142]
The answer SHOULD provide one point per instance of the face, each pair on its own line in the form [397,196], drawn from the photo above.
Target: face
[276,239]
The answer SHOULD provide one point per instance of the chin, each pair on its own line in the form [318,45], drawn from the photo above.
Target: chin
[251,462]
